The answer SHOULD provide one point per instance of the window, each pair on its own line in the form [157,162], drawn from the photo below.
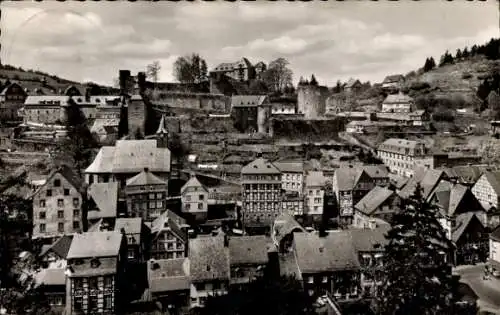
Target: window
[188,197]
[310,280]
[60,202]
[202,197]
[92,300]
[49,192]
[66,191]
[188,206]
[131,253]
[159,195]
[42,203]
[60,214]
[200,206]
[60,227]
[76,213]
[76,224]
[78,303]
[57,183]
[151,196]
[325,279]
[42,215]
[108,302]
[42,228]
[93,283]
[159,204]
[108,281]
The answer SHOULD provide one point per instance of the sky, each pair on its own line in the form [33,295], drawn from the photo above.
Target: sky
[91,41]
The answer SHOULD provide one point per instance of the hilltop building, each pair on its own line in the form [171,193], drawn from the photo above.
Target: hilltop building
[12,98]
[251,112]
[311,100]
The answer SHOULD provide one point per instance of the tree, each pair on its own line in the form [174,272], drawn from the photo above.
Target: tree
[313,82]
[190,69]
[338,87]
[458,54]
[447,58]
[265,295]
[153,71]
[417,276]
[76,149]
[278,75]
[465,53]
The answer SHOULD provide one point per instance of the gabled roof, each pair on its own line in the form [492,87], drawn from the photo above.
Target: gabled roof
[283,225]
[315,179]
[376,171]
[145,178]
[428,180]
[130,225]
[456,197]
[397,98]
[228,66]
[352,82]
[462,222]
[290,166]
[68,174]
[169,220]
[248,249]
[60,247]
[494,180]
[333,252]
[51,277]
[105,198]
[209,258]
[495,234]
[162,126]
[11,85]
[401,146]
[367,240]
[166,275]
[260,166]
[131,156]
[95,244]
[347,178]
[393,78]
[54,100]
[466,174]
[248,100]
[374,199]
[193,182]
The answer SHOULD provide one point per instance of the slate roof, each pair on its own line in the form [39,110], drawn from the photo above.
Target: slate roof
[283,225]
[209,258]
[466,174]
[107,266]
[131,156]
[462,222]
[105,198]
[373,199]
[60,246]
[400,146]
[248,100]
[333,252]
[68,174]
[494,180]
[145,178]
[260,166]
[193,182]
[50,277]
[100,124]
[52,100]
[248,249]
[315,179]
[367,240]
[376,171]
[397,99]
[290,166]
[169,220]
[130,225]
[428,181]
[166,275]
[393,78]
[347,178]
[95,244]
[95,100]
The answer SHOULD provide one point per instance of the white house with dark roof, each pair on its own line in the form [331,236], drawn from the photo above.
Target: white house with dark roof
[95,273]
[380,203]
[292,177]
[314,192]
[102,202]
[251,112]
[393,82]
[194,198]
[494,248]
[146,195]
[261,183]
[401,155]
[127,159]
[169,282]
[136,233]
[248,257]
[241,70]
[209,267]
[487,191]
[45,109]
[397,103]
[168,237]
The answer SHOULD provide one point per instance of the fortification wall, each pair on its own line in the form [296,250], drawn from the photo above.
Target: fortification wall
[307,130]
[197,101]
[311,101]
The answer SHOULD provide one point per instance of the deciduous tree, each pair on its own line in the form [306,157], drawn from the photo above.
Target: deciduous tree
[153,71]
[278,75]
[190,69]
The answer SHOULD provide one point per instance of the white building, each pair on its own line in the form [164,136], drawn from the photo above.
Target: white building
[401,155]
[397,103]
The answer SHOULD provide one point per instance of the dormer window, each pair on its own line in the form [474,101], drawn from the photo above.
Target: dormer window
[95,263]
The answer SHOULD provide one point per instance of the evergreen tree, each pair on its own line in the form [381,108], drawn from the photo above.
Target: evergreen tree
[458,55]
[432,63]
[313,80]
[338,87]
[465,53]
[301,80]
[418,278]
[473,50]
[428,64]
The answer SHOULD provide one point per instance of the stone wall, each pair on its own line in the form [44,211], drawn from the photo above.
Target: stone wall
[197,101]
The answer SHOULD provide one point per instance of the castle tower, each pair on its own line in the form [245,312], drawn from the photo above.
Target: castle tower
[162,133]
[311,101]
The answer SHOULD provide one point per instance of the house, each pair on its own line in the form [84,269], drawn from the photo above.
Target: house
[45,109]
[261,183]
[378,173]
[398,103]
[248,257]
[168,237]
[337,103]
[283,229]
[494,249]
[428,181]
[127,159]
[380,203]
[169,282]
[293,203]
[251,113]
[292,177]
[314,191]
[12,98]
[466,175]
[393,82]
[370,248]
[328,263]
[260,67]
[241,70]
[487,191]
[349,186]
[88,104]
[146,195]
[401,155]
[102,203]
[137,236]
[283,108]
[209,267]
[96,273]
[470,238]
[51,278]
[194,198]
[57,205]
[353,86]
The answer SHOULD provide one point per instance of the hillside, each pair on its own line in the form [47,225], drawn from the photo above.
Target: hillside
[46,83]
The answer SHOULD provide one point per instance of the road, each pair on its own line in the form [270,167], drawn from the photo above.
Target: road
[488,291]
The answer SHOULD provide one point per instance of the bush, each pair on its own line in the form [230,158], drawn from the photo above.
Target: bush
[419,86]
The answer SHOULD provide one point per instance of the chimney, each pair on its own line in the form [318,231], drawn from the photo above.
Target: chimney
[146,169]
[141,82]
[124,81]
[87,94]
[226,240]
